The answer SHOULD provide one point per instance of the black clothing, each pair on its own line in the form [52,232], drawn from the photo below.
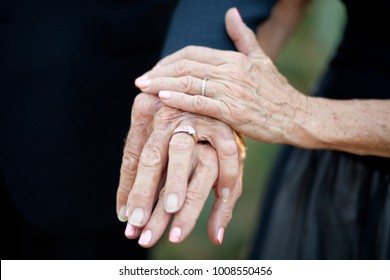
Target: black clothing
[329,204]
[66,85]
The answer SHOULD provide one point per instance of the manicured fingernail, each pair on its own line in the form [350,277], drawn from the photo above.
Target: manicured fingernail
[175,234]
[122,214]
[164,94]
[238,14]
[137,216]
[225,194]
[172,203]
[143,83]
[130,230]
[145,238]
[220,235]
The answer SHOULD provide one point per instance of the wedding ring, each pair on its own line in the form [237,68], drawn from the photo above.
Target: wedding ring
[188,130]
[203,90]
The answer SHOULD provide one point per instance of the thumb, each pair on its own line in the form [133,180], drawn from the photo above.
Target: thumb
[243,37]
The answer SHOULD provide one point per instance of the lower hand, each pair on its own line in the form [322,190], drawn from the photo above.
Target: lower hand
[141,173]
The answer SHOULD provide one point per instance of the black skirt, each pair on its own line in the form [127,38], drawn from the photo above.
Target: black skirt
[326,205]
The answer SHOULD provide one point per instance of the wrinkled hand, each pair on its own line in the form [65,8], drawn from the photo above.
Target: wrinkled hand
[181,185]
[244,89]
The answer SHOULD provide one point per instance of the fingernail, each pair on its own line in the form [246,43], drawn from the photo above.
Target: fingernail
[122,214]
[225,194]
[130,230]
[238,14]
[137,217]
[164,94]
[220,235]
[145,238]
[143,82]
[174,235]
[171,204]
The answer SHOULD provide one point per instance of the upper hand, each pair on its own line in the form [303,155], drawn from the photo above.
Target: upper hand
[244,89]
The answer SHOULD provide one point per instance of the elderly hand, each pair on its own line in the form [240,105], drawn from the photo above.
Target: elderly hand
[144,171]
[244,90]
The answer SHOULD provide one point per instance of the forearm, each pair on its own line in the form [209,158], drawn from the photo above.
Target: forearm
[356,126]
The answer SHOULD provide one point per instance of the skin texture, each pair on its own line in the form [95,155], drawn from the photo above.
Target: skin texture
[141,183]
[191,173]
[246,91]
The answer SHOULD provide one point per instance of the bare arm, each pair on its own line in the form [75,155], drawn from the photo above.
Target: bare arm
[356,126]
[246,91]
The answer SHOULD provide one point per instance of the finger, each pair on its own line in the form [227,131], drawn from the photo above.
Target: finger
[181,152]
[195,104]
[221,215]
[141,116]
[181,68]
[202,180]
[243,37]
[188,84]
[157,224]
[132,232]
[225,144]
[150,168]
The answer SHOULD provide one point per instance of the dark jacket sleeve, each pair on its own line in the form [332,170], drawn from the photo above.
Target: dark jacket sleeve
[198,22]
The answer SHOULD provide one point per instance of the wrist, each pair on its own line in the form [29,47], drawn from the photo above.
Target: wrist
[303,129]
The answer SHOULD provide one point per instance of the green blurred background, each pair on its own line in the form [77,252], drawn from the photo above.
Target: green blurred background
[302,62]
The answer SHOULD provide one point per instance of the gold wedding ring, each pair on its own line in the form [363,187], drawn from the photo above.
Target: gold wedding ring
[188,130]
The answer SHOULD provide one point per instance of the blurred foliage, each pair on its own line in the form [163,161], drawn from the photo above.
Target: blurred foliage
[302,62]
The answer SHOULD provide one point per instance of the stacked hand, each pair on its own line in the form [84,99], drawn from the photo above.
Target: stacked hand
[153,190]
[244,89]
[241,89]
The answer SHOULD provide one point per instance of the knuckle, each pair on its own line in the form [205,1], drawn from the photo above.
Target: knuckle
[182,67]
[164,117]
[208,158]
[187,84]
[158,218]
[150,157]
[126,179]
[228,148]
[141,195]
[129,161]
[187,51]
[123,190]
[227,214]
[142,106]
[198,103]
[177,179]
[195,194]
